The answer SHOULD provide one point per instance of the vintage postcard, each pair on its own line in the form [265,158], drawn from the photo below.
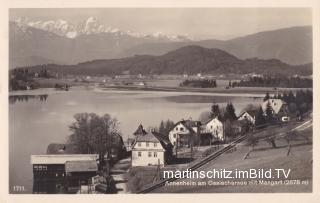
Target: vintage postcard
[145,100]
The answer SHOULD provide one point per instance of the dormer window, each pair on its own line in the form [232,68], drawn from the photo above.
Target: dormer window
[139,144]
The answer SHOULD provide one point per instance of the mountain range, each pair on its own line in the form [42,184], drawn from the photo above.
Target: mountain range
[185,60]
[60,42]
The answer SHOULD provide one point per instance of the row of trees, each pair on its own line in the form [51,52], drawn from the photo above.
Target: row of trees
[268,81]
[165,127]
[299,102]
[202,83]
[23,79]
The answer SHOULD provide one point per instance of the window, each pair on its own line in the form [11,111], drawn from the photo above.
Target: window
[154,154]
[211,126]
[155,144]
[177,128]
[181,129]
[147,144]
[139,153]
[174,135]
[149,154]
[139,144]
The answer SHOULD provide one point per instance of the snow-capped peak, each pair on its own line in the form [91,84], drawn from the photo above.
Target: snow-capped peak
[90,26]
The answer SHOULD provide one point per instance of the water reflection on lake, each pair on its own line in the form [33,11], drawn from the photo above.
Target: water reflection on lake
[37,121]
[21,98]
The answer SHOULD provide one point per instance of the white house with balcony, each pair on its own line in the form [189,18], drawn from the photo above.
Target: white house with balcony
[213,127]
[182,131]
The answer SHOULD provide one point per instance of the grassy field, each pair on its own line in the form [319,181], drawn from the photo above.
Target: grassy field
[264,156]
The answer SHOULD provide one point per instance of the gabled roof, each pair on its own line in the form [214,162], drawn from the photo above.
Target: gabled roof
[189,124]
[208,121]
[140,131]
[252,113]
[154,137]
[62,158]
[81,166]
[162,138]
[149,137]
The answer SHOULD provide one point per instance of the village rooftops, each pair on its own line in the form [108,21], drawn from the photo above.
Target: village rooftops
[81,166]
[62,158]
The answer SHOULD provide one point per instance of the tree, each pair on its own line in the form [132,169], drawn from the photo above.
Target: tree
[162,128]
[269,113]
[92,133]
[215,110]
[205,116]
[230,112]
[260,119]
[165,127]
[266,97]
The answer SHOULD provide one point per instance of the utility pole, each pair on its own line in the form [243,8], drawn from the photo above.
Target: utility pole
[191,144]
[177,141]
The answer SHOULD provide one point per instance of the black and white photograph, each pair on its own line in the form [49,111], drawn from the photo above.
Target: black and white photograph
[164,100]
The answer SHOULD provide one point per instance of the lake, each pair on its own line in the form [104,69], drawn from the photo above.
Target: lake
[37,121]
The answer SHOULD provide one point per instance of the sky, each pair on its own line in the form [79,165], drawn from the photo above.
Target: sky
[199,23]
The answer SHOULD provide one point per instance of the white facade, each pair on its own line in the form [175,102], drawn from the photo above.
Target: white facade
[178,129]
[215,127]
[146,153]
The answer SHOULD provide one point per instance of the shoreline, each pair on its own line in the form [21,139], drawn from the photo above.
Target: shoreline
[239,91]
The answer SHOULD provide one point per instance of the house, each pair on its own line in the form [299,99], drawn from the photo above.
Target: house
[278,106]
[211,131]
[151,149]
[80,170]
[249,115]
[181,132]
[50,172]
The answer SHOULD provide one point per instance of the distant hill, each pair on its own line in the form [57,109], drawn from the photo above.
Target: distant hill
[290,45]
[33,46]
[189,60]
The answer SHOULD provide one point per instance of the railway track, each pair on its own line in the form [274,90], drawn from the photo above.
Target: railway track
[197,165]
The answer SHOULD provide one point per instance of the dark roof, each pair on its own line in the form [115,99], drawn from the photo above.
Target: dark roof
[81,166]
[162,138]
[56,148]
[154,137]
[252,113]
[149,137]
[140,131]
